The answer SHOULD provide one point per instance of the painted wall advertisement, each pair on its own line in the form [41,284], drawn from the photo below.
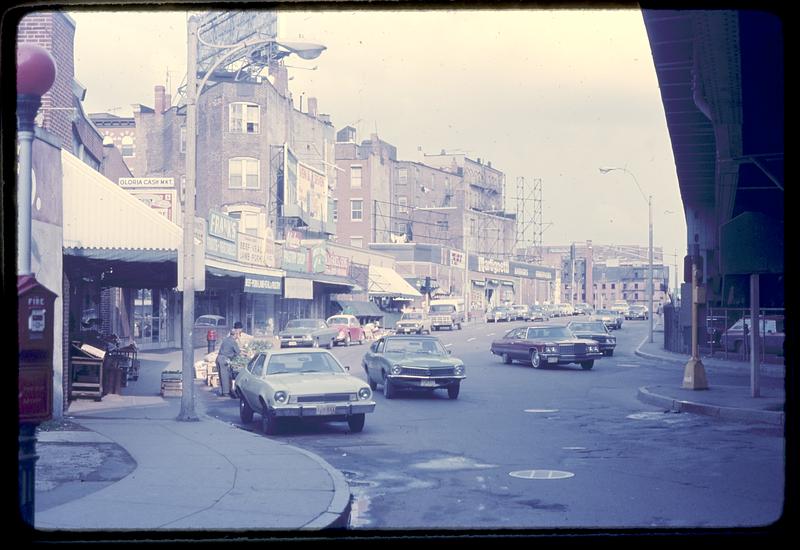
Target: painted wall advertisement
[305,187]
[488,265]
[251,249]
[457,259]
[337,264]
[295,260]
[318,259]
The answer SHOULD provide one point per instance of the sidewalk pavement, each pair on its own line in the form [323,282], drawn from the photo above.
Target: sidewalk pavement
[205,475]
[731,400]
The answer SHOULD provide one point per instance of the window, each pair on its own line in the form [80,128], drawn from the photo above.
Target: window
[244,118]
[635,285]
[357,242]
[613,286]
[243,173]
[402,205]
[402,176]
[127,146]
[356,210]
[183,139]
[248,221]
[335,209]
[355,177]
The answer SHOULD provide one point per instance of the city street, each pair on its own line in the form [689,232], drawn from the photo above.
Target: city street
[548,448]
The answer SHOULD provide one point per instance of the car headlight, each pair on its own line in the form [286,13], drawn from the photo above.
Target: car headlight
[397,369]
[364,393]
[459,370]
[280,397]
[592,348]
[550,349]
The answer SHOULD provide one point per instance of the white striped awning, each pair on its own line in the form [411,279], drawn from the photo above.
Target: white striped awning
[385,281]
[102,220]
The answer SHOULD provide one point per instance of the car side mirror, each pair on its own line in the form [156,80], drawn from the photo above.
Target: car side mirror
[347,368]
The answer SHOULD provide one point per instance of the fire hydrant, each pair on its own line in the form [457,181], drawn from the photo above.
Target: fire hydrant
[211,337]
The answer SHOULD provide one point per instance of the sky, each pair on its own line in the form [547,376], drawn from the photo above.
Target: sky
[543,94]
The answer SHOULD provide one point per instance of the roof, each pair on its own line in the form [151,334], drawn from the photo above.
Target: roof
[385,281]
[102,220]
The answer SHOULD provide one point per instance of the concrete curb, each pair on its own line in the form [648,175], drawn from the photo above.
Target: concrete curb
[337,516]
[729,413]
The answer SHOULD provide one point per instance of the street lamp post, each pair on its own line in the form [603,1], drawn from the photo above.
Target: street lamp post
[649,199]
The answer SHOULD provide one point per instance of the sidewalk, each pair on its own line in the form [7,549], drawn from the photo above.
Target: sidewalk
[730,399]
[206,475]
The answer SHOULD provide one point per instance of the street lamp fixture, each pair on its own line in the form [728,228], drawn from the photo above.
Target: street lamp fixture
[649,200]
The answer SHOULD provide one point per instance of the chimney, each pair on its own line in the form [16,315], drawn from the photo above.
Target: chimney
[159,100]
[312,106]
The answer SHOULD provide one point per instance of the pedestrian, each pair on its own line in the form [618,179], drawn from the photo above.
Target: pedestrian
[228,349]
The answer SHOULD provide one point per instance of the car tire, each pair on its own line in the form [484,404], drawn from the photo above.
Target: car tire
[609,352]
[245,412]
[372,384]
[330,344]
[388,389]
[453,389]
[356,422]
[536,359]
[347,341]
[459,326]
[506,359]
[269,423]
[587,365]
[361,340]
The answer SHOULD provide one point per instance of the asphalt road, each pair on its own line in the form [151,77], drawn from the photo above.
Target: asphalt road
[544,449]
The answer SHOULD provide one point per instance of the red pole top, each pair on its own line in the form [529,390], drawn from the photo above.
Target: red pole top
[36,70]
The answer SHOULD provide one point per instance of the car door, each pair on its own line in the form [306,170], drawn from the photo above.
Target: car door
[248,381]
[372,358]
[517,345]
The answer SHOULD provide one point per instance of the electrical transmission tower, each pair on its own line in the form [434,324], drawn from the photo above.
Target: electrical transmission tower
[528,245]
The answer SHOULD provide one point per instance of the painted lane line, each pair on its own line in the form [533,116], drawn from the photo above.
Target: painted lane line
[541,410]
[541,474]
[470,339]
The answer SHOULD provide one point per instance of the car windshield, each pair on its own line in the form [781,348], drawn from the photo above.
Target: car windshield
[520,308]
[207,320]
[415,345]
[590,327]
[304,323]
[412,316]
[442,308]
[549,332]
[337,320]
[301,363]
[604,312]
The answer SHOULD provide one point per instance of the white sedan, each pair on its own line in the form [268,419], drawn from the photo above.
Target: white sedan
[301,383]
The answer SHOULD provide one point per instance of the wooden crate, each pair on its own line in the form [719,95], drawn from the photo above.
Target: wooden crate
[171,384]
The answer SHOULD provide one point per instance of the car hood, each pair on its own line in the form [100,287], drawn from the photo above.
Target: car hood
[421,360]
[309,383]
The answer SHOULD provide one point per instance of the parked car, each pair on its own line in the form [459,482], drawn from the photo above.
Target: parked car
[413,322]
[620,306]
[595,330]
[307,333]
[637,311]
[348,329]
[446,313]
[611,319]
[583,309]
[301,383]
[520,312]
[204,323]
[538,313]
[499,313]
[546,345]
[550,309]
[412,362]
[565,310]
[771,331]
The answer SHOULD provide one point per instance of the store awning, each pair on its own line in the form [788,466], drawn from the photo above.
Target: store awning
[230,269]
[360,308]
[385,281]
[103,221]
[327,279]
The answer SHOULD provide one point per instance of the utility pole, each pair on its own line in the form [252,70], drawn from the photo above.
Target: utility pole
[187,412]
[467,305]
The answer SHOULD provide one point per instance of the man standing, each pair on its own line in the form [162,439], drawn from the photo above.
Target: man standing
[228,349]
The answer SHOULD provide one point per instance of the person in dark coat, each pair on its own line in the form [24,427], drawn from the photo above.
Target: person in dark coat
[228,349]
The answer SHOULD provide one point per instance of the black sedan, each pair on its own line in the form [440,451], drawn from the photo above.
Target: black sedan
[546,345]
[595,330]
[312,333]
[412,362]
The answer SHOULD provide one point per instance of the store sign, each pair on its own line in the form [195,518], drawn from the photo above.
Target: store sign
[457,259]
[146,182]
[522,272]
[293,239]
[269,248]
[251,250]
[298,289]
[221,248]
[164,201]
[222,226]
[336,264]
[544,275]
[488,265]
[262,284]
[295,260]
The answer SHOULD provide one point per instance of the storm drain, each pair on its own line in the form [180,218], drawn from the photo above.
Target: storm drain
[541,474]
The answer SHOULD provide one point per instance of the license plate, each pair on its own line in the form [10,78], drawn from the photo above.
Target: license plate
[292,343]
[326,409]
[552,359]
[428,383]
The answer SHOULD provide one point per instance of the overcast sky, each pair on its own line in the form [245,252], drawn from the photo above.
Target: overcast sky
[548,94]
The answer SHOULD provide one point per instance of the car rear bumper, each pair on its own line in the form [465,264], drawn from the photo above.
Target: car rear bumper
[408,330]
[320,410]
[297,343]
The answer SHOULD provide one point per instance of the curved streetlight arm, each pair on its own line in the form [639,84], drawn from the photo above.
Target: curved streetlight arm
[606,170]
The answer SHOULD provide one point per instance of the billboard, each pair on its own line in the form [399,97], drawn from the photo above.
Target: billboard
[305,190]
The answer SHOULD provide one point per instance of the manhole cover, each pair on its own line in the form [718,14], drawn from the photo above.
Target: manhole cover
[541,410]
[541,474]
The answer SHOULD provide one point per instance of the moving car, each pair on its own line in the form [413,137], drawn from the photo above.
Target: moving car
[413,322]
[348,329]
[612,319]
[565,310]
[771,331]
[620,306]
[583,309]
[637,311]
[520,312]
[499,313]
[546,345]
[307,333]
[309,384]
[595,330]
[412,362]
[538,313]
[446,313]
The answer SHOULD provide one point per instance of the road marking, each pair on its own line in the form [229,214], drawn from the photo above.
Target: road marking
[628,365]
[470,339]
[448,345]
[574,448]
[541,410]
[541,474]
